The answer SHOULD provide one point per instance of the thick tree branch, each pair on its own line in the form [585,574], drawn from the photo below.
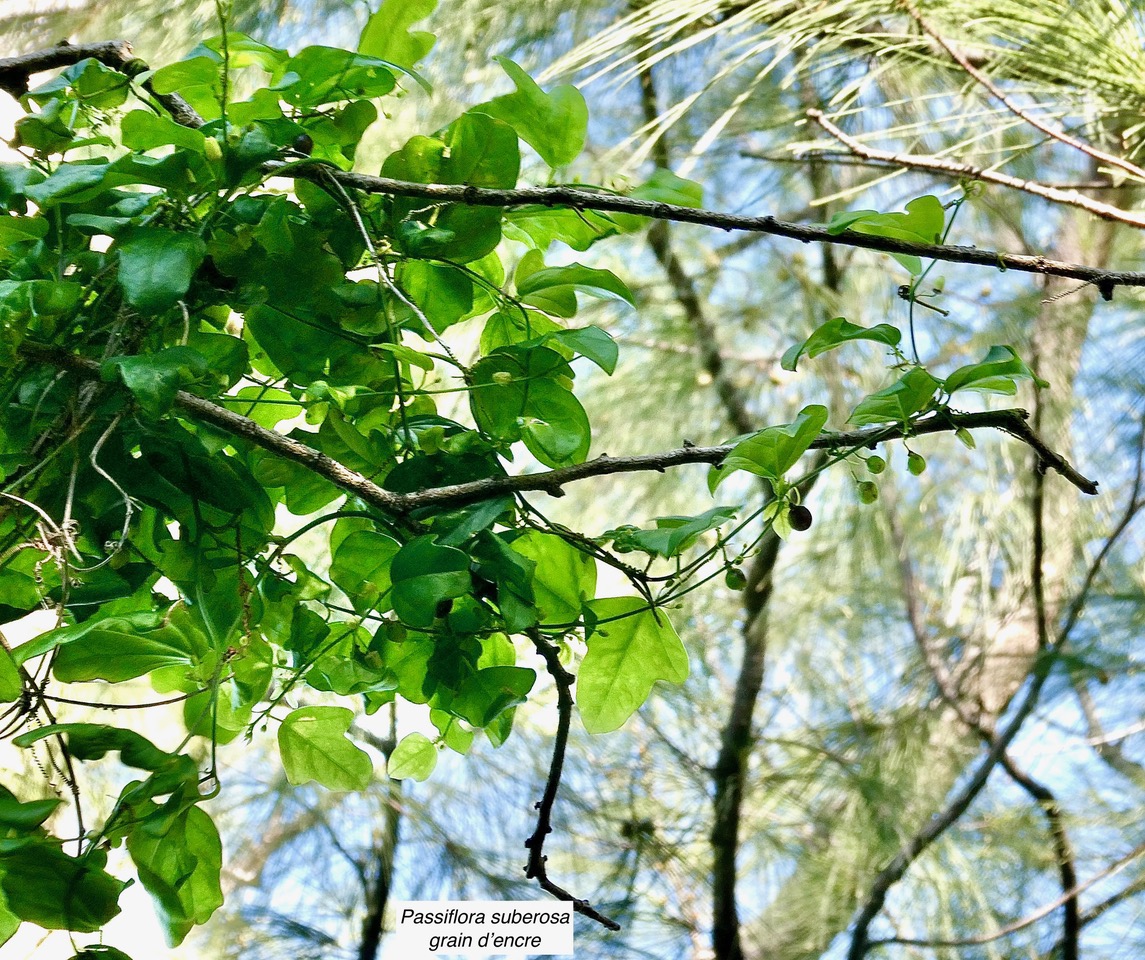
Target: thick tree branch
[117,54]
[580,198]
[15,71]
[1068,197]
[551,481]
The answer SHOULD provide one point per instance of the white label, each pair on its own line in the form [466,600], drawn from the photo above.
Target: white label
[481,928]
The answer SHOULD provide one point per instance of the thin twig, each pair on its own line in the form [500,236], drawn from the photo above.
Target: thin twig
[536,868]
[1071,894]
[1002,97]
[954,168]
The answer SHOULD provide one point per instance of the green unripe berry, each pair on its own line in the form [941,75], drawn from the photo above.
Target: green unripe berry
[915,463]
[876,464]
[868,491]
[734,578]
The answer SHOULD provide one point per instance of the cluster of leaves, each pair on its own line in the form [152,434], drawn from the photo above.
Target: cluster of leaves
[171,256]
[218,260]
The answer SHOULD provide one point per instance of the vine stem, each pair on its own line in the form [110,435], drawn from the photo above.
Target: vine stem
[536,868]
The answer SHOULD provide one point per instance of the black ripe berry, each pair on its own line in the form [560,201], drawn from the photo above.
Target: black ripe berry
[799,517]
[303,144]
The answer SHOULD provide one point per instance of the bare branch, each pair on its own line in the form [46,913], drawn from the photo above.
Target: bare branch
[953,168]
[582,198]
[1001,96]
[117,54]
[1071,894]
[551,481]
[1063,851]
[959,803]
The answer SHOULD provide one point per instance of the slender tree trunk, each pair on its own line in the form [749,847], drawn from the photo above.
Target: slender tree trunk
[381,882]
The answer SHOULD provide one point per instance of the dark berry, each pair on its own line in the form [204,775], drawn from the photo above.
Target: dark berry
[799,517]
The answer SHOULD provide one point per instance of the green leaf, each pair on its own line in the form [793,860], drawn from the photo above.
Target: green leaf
[69,183]
[144,130]
[540,226]
[836,332]
[554,124]
[244,51]
[443,293]
[100,951]
[672,535]
[24,816]
[155,378]
[314,746]
[924,222]
[995,373]
[14,230]
[319,75]
[898,402]
[114,648]
[553,289]
[626,656]
[179,860]
[926,217]
[45,132]
[517,394]
[487,693]
[504,329]
[89,82]
[592,343]
[266,406]
[662,187]
[476,150]
[197,80]
[11,683]
[564,578]
[425,574]
[156,266]
[555,427]
[458,738]
[773,451]
[512,574]
[413,758]
[387,33]
[361,568]
[57,892]
[93,741]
